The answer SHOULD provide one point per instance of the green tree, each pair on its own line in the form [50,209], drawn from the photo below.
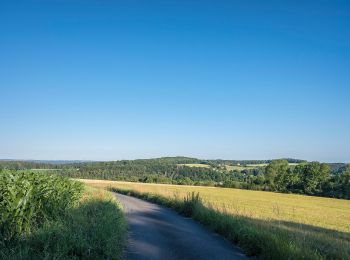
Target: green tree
[276,174]
[313,176]
[345,182]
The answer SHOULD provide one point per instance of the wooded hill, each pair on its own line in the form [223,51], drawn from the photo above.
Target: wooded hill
[284,175]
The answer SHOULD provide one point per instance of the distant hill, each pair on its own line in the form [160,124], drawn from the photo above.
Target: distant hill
[46,161]
[337,168]
[152,165]
[172,160]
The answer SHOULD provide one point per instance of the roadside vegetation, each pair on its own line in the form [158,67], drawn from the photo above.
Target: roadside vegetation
[46,216]
[286,175]
[264,224]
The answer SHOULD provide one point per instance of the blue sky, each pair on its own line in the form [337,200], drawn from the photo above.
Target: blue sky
[109,80]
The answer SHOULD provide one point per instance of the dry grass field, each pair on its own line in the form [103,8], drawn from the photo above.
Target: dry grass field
[278,225]
[197,165]
[327,213]
[239,167]
[250,166]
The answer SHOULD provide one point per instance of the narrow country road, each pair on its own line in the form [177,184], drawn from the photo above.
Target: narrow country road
[159,233]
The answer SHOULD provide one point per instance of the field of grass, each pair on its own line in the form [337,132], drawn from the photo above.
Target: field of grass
[303,226]
[239,167]
[228,167]
[257,165]
[50,217]
[198,165]
[249,166]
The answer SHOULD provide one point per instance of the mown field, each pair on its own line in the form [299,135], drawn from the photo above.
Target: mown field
[43,216]
[227,167]
[250,166]
[303,226]
[196,165]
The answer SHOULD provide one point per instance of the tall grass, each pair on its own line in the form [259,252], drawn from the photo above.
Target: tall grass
[51,217]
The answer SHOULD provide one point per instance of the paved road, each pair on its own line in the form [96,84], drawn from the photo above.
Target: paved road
[159,233]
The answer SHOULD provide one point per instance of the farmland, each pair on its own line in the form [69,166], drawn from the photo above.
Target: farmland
[311,226]
[195,165]
[243,167]
[250,166]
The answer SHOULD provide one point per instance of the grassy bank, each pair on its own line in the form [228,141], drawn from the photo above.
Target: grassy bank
[316,228]
[49,217]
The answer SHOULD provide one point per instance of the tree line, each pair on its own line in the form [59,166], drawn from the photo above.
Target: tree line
[312,178]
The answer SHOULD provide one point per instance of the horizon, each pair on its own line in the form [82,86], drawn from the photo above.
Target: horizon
[152,158]
[103,81]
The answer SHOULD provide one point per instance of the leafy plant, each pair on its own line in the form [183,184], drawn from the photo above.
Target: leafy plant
[28,199]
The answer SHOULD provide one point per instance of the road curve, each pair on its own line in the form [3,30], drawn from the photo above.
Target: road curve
[156,232]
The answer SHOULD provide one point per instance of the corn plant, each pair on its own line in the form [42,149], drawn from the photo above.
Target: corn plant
[28,199]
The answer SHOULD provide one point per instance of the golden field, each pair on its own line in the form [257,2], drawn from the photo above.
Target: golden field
[285,226]
[322,212]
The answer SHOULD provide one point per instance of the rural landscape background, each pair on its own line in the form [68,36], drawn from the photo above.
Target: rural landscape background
[252,203]
[174,129]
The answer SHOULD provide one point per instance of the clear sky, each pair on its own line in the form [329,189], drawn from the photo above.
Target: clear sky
[109,80]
